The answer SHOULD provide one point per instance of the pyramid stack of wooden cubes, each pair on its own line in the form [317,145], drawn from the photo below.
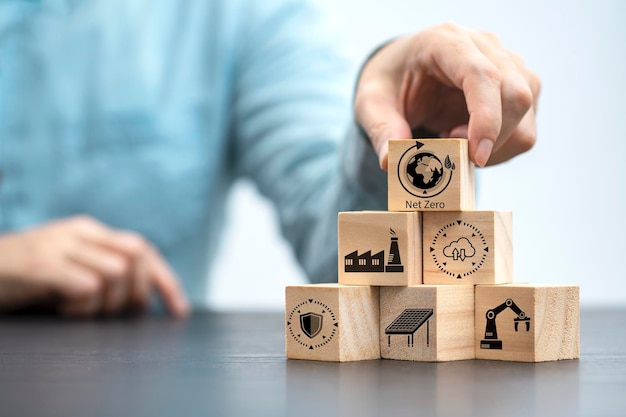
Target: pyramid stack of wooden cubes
[431,279]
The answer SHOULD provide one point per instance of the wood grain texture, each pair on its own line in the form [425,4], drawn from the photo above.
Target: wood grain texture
[549,312]
[430,175]
[470,247]
[331,322]
[447,335]
[380,248]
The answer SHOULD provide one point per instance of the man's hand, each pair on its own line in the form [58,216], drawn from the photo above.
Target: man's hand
[82,268]
[453,82]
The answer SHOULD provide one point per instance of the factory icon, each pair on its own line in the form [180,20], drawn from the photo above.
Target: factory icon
[366,262]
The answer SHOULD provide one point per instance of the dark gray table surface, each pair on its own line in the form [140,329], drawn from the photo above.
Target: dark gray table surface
[234,364]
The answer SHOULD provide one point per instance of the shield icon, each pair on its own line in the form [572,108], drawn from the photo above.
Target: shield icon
[311,324]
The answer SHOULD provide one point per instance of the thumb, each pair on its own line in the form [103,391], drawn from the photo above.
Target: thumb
[381,118]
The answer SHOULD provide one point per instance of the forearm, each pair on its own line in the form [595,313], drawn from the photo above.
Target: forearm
[292,110]
[357,184]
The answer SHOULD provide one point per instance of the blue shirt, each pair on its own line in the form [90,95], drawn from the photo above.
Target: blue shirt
[142,114]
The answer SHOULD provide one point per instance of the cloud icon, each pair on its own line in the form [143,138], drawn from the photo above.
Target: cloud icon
[459,249]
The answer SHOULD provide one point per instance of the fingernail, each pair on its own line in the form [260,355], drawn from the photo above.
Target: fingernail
[116,266]
[183,308]
[483,152]
[85,282]
[88,284]
[384,162]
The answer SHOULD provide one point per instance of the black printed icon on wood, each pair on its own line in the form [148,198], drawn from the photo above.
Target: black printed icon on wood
[422,174]
[311,324]
[394,264]
[491,340]
[457,256]
[366,262]
[315,326]
[408,322]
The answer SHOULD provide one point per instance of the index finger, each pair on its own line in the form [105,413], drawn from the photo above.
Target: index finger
[137,248]
[479,79]
[166,284]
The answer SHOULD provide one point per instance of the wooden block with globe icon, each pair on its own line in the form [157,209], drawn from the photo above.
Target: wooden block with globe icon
[332,322]
[527,323]
[468,247]
[380,248]
[430,175]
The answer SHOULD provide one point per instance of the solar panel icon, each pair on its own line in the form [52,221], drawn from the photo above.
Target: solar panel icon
[408,322]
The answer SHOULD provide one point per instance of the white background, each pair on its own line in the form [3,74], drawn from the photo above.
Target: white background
[568,195]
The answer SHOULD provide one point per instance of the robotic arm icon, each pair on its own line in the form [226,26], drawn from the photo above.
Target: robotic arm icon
[491,334]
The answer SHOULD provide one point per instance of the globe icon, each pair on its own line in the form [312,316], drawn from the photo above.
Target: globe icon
[424,170]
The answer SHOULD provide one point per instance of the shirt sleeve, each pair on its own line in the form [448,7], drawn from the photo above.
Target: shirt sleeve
[293,133]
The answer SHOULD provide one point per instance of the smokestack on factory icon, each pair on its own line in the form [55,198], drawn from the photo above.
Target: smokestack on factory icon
[366,262]
[394,264]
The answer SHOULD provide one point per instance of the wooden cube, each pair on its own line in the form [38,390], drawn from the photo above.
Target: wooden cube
[470,247]
[430,323]
[331,322]
[430,175]
[380,248]
[527,323]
